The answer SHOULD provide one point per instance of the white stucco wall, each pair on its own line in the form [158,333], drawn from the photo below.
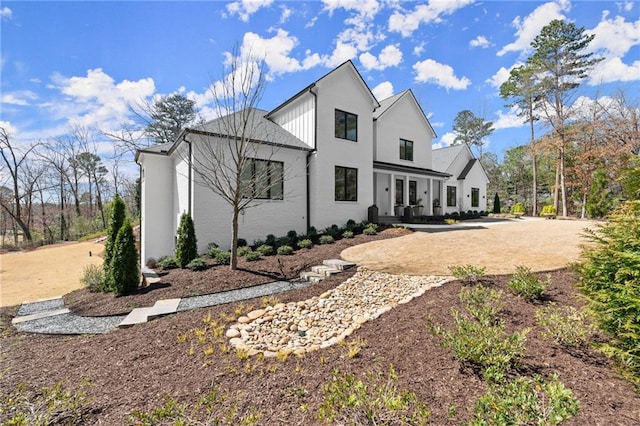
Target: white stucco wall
[157,195]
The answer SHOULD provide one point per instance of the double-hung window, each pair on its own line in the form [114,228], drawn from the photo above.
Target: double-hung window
[346,126]
[475,197]
[451,196]
[346,185]
[263,179]
[406,150]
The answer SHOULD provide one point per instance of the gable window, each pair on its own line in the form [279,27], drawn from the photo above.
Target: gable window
[413,192]
[399,192]
[406,150]
[451,196]
[346,188]
[475,197]
[346,126]
[263,179]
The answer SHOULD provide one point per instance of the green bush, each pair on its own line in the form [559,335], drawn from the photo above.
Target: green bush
[610,279]
[285,250]
[252,256]
[524,401]
[468,274]
[116,220]
[197,264]
[496,204]
[242,242]
[92,277]
[374,401]
[244,250]
[347,234]
[265,250]
[370,229]
[306,243]
[483,303]
[566,325]
[518,209]
[527,285]
[548,210]
[326,239]
[168,262]
[223,257]
[124,273]
[187,245]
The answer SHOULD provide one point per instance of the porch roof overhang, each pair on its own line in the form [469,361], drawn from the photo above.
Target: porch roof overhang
[417,171]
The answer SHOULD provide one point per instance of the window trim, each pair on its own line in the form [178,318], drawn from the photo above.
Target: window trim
[405,143]
[452,196]
[345,189]
[345,116]
[270,185]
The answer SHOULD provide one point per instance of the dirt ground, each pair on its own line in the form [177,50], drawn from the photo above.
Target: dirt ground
[539,244]
[46,272]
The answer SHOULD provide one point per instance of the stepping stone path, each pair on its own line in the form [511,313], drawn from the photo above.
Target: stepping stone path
[325,320]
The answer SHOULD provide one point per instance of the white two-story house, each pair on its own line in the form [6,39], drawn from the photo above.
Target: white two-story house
[324,156]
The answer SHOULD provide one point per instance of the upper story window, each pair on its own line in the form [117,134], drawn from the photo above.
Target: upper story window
[406,150]
[346,126]
[263,179]
[346,188]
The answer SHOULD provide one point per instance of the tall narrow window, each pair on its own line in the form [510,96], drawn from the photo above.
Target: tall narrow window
[475,197]
[399,192]
[263,179]
[346,184]
[406,150]
[346,126]
[413,192]
[451,196]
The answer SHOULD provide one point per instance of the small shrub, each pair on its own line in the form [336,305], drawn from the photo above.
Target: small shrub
[168,262]
[92,278]
[347,234]
[326,239]
[483,303]
[244,250]
[370,229]
[527,285]
[524,401]
[374,401]
[566,325]
[312,234]
[548,210]
[187,247]
[271,240]
[265,250]
[350,225]
[124,273]
[223,257]
[450,221]
[285,250]
[468,274]
[306,243]
[151,263]
[518,209]
[242,242]
[117,216]
[197,264]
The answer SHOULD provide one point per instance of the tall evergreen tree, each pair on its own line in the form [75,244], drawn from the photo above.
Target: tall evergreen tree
[116,220]
[124,274]
[187,247]
[496,204]
[561,64]
[168,116]
[471,130]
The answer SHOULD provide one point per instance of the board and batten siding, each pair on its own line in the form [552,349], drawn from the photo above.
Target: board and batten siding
[298,118]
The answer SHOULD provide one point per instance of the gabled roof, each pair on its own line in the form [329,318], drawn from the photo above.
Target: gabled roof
[467,169]
[389,103]
[344,65]
[442,158]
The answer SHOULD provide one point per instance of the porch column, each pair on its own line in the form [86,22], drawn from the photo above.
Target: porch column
[405,200]
[431,192]
[392,193]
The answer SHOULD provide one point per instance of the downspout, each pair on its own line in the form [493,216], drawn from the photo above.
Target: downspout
[315,148]
[184,138]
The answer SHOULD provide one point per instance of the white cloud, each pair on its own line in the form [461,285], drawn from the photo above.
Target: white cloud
[383,90]
[407,23]
[342,52]
[245,8]
[5,13]
[390,56]
[417,51]
[366,8]
[286,14]
[445,140]
[430,71]
[614,36]
[528,28]
[8,127]
[501,76]
[627,6]
[20,97]
[612,70]
[480,41]
[509,120]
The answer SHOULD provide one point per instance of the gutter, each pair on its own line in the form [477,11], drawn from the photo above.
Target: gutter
[190,164]
[313,151]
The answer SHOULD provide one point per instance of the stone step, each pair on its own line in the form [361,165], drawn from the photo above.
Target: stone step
[327,271]
[39,315]
[142,315]
[338,264]
[137,316]
[312,277]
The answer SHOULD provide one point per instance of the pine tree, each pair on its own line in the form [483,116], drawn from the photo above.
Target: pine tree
[116,219]
[187,248]
[124,274]
[599,200]
[496,204]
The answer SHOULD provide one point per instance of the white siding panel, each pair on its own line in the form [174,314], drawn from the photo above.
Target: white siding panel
[298,118]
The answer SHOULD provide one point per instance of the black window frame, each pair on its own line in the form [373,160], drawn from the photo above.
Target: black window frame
[344,190]
[406,149]
[272,189]
[399,192]
[413,192]
[452,195]
[344,118]
[475,197]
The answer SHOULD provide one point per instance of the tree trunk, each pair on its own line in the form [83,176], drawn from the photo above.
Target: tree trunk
[234,239]
[563,185]
[556,188]
[583,213]
[534,158]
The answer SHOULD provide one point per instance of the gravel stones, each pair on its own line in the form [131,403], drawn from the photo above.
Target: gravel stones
[325,320]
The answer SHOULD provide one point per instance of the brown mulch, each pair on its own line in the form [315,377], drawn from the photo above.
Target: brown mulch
[133,369]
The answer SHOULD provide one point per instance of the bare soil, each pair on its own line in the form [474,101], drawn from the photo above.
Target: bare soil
[135,368]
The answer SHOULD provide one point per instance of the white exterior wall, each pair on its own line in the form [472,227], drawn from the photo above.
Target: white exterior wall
[181,185]
[212,215]
[157,195]
[475,179]
[298,118]
[403,121]
[341,90]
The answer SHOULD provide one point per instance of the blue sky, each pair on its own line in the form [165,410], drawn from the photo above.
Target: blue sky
[68,63]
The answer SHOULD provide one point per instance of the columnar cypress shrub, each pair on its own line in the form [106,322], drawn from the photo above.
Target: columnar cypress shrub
[116,219]
[125,275]
[187,248]
[496,203]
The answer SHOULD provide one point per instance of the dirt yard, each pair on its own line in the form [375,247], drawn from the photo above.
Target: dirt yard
[46,272]
[539,244]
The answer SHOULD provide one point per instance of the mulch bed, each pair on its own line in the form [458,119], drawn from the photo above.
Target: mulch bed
[134,368]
